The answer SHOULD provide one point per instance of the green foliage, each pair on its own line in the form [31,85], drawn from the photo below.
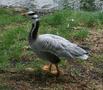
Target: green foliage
[100,17]
[55,19]
[89,19]
[87,5]
[64,3]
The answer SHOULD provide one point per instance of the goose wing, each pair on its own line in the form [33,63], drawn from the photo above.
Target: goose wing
[58,46]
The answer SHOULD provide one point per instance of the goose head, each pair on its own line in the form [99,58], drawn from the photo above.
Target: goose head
[32,15]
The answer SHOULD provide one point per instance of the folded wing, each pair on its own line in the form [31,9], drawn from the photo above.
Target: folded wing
[59,46]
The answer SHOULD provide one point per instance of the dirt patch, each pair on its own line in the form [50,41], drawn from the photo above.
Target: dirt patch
[76,77]
[95,40]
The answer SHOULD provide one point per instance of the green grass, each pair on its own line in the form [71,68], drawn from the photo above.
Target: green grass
[81,34]
[11,44]
[5,87]
[10,16]
[55,19]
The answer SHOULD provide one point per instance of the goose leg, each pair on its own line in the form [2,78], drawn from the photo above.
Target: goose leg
[57,72]
[47,67]
[50,66]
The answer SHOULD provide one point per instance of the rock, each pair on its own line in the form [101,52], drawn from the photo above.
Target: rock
[29,69]
[30,4]
[48,4]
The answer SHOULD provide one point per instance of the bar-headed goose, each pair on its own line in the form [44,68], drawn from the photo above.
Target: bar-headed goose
[52,47]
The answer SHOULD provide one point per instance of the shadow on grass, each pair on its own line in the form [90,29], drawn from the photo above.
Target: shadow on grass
[40,77]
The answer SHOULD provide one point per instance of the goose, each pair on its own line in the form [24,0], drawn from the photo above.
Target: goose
[52,47]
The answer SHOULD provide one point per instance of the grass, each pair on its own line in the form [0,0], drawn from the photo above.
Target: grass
[4,87]
[81,34]
[9,17]
[14,29]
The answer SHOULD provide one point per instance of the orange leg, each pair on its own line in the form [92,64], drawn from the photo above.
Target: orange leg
[47,67]
[58,72]
[50,67]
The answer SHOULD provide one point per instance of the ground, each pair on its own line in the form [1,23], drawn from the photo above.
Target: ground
[74,78]
[20,68]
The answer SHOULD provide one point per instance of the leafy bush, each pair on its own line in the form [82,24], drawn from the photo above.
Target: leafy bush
[100,17]
[55,19]
[87,5]
[88,19]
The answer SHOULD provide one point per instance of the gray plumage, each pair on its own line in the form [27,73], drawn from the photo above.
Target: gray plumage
[59,46]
